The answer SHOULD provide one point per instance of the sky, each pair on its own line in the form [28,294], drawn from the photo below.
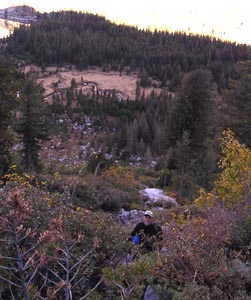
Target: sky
[226,19]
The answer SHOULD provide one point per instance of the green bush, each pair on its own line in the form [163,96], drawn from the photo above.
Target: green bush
[194,291]
[96,193]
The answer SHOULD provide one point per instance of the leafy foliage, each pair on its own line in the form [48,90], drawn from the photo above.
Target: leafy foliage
[57,239]
[51,247]
[21,256]
[186,257]
[233,185]
[73,250]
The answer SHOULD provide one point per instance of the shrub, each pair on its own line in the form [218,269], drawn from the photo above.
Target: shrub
[97,193]
[194,248]
[236,281]
[194,291]
[233,185]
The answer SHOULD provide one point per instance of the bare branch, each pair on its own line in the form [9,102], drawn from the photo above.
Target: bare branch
[55,274]
[10,282]
[92,290]
[81,260]
[9,268]
[78,264]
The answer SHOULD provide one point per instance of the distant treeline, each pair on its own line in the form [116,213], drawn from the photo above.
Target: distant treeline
[86,40]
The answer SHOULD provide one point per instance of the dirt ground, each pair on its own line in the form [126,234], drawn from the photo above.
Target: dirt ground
[61,78]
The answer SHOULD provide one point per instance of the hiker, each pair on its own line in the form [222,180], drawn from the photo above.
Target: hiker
[146,233]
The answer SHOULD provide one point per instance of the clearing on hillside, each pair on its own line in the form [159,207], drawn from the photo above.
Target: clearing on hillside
[55,79]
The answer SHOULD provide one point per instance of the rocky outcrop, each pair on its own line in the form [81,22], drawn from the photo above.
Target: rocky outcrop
[131,216]
[21,14]
[156,197]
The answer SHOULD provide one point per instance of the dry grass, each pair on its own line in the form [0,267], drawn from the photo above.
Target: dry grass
[123,84]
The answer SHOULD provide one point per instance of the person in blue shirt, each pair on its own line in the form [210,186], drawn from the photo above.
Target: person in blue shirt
[147,234]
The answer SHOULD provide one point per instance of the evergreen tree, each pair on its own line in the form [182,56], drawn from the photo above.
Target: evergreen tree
[75,38]
[33,125]
[138,90]
[132,137]
[159,143]
[237,103]
[192,125]
[193,109]
[182,156]
[8,93]
[144,79]
[144,130]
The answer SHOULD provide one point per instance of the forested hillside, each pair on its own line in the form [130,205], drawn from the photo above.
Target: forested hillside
[204,89]
[87,40]
[71,162]
[196,68]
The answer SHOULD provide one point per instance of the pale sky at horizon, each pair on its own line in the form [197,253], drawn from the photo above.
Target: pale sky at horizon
[229,20]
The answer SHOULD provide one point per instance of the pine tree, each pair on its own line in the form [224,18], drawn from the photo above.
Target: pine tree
[194,106]
[144,130]
[33,125]
[237,108]
[159,143]
[192,121]
[132,137]
[8,93]
[184,162]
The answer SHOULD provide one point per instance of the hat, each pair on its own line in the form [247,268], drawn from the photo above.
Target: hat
[148,213]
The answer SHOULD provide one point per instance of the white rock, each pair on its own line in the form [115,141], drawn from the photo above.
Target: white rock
[157,195]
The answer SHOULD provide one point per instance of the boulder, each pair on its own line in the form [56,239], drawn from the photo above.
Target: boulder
[131,216]
[156,197]
[150,293]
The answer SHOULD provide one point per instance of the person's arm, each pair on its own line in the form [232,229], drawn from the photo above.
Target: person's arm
[134,232]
